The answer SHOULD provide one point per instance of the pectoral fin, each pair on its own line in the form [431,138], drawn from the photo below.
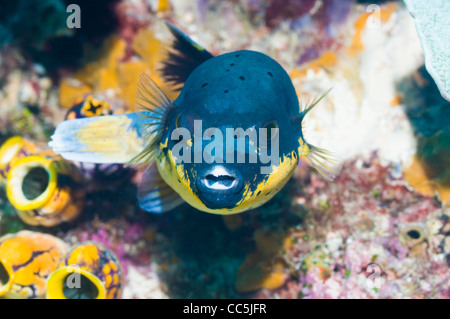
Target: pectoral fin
[154,195]
[325,162]
[103,139]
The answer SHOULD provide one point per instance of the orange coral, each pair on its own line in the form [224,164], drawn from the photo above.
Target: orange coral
[360,24]
[232,222]
[264,267]
[429,172]
[326,60]
[163,6]
[111,72]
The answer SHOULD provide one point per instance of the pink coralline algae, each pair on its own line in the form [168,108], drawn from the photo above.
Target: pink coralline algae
[376,239]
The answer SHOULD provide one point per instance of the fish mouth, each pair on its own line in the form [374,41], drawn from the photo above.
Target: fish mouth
[220,187]
[220,179]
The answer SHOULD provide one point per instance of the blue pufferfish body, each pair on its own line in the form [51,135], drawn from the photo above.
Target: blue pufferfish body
[242,89]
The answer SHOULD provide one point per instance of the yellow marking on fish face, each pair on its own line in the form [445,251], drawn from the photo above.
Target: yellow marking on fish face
[303,149]
[164,145]
[175,176]
[268,188]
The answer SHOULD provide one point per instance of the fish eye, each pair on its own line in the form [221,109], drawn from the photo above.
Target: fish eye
[267,133]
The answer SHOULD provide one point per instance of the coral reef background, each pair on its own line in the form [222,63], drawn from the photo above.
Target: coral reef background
[381,229]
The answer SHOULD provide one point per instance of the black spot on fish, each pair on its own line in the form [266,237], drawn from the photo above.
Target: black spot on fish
[238,55]
[232,64]
[270,74]
[226,91]
[204,84]
[242,78]
[259,192]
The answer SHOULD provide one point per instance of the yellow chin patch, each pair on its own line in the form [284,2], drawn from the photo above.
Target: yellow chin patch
[303,149]
[175,176]
[271,186]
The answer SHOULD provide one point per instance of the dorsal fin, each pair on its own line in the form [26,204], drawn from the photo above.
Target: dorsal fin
[151,99]
[183,57]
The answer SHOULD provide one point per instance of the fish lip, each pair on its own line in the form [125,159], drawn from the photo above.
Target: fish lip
[219,178]
[219,187]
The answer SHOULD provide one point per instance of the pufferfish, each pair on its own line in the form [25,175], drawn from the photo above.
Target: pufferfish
[242,89]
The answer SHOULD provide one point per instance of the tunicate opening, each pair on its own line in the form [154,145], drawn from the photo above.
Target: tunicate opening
[414,234]
[79,288]
[35,183]
[4,276]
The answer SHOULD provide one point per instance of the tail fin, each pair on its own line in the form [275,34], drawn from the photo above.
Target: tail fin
[103,139]
[184,56]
